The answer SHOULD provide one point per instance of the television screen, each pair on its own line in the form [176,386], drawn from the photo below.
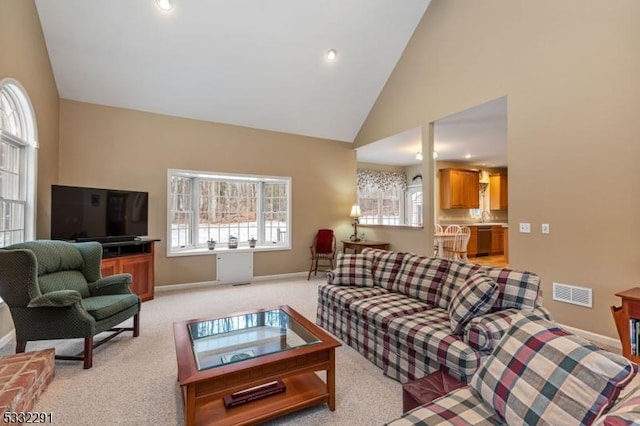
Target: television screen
[79,213]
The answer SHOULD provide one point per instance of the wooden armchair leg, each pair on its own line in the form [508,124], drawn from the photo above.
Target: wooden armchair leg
[310,270]
[21,345]
[88,352]
[136,325]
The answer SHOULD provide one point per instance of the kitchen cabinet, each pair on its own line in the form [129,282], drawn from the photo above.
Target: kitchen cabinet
[498,192]
[472,246]
[459,189]
[497,240]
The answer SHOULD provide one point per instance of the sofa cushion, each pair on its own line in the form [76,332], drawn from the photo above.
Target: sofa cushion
[463,406]
[457,274]
[518,289]
[475,297]
[429,333]
[353,270]
[386,268]
[626,411]
[539,373]
[421,277]
[484,332]
[379,310]
[341,296]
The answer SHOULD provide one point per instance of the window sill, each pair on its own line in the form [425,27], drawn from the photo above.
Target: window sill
[205,251]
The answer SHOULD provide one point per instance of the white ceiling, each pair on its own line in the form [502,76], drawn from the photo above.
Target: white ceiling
[479,132]
[254,63]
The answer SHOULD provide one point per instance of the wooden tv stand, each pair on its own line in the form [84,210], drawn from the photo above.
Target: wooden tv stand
[134,257]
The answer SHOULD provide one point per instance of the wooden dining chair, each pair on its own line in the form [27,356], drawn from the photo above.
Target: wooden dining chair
[460,243]
[448,244]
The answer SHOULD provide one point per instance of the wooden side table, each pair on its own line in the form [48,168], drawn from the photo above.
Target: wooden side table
[627,318]
[358,246]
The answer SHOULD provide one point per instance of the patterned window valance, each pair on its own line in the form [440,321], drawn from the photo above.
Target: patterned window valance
[381,179]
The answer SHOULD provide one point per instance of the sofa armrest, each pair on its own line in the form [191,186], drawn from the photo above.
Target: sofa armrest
[55,299]
[113,284]
[485,331]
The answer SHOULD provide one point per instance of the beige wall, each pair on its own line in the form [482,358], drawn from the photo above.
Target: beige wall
[570,70]
[24,57]
[117,148]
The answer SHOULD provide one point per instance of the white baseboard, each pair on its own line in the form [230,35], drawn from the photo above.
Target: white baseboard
[598,339]
[201,284]
[4,340]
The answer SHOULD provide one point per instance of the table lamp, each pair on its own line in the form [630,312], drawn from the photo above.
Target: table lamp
[355,214]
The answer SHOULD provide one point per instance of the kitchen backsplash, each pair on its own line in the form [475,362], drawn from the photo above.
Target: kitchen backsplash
[465,216]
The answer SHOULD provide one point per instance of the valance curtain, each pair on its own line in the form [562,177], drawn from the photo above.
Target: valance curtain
[380,180]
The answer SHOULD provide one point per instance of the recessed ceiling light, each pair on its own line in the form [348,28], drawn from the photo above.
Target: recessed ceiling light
[332,55]
[165,5]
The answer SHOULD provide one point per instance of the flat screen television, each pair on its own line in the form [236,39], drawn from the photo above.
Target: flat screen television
[85,214]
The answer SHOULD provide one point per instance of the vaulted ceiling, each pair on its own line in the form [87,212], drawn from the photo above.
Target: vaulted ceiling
[254,63]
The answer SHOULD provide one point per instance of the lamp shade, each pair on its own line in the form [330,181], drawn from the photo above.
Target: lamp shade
[355,211]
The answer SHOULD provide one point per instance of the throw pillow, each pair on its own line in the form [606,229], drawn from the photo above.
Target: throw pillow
[353,270]
[541,374]
[476,297]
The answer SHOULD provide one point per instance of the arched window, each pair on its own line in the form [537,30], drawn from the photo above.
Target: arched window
[18,162]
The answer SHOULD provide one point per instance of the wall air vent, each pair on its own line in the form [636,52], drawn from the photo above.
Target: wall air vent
[575,295]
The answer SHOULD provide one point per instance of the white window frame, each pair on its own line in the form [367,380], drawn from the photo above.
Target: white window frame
[400,196]
[196,248]
[414,190]
[26,140]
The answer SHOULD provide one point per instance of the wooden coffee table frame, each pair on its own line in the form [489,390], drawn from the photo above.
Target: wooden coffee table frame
[202,391]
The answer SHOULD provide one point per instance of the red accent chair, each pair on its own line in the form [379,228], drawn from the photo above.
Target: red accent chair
[323,248]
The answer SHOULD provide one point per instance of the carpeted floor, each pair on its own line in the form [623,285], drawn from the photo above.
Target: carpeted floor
[133,381]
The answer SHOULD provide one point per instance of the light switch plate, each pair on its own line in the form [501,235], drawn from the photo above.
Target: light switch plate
[545,228]
[525,228]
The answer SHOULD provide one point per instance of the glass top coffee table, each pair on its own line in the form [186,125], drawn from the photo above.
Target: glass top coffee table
[221,356]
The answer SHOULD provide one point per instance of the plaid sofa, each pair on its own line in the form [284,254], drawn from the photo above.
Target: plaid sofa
[539,374]
[396,310]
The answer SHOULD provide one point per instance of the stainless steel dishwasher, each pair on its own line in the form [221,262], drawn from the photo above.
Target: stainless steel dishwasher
[484,240]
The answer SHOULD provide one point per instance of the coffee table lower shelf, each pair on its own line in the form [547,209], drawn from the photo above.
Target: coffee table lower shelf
[304,390]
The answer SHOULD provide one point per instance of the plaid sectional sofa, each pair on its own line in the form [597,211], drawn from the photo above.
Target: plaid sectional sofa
[413,315]
[539,374]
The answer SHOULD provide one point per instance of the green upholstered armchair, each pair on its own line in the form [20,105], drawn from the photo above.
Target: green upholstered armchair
[54,290]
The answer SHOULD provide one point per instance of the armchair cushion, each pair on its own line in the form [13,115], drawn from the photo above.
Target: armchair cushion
[64,280]
[101,307]
[55,299]
[539,373]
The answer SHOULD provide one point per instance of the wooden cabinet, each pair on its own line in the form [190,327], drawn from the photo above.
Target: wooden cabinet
[506,244]
[498,192]
[459,189]
[472,246]
[136,259]
[497,240]
[627,319]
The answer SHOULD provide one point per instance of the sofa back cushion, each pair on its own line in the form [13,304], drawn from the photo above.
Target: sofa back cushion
[457,274]
[352,270]
[541,374]
[386,267]
[421,277]
[475,297]
[518,289]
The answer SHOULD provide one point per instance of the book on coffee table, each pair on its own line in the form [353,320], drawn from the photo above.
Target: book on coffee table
[256,392]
